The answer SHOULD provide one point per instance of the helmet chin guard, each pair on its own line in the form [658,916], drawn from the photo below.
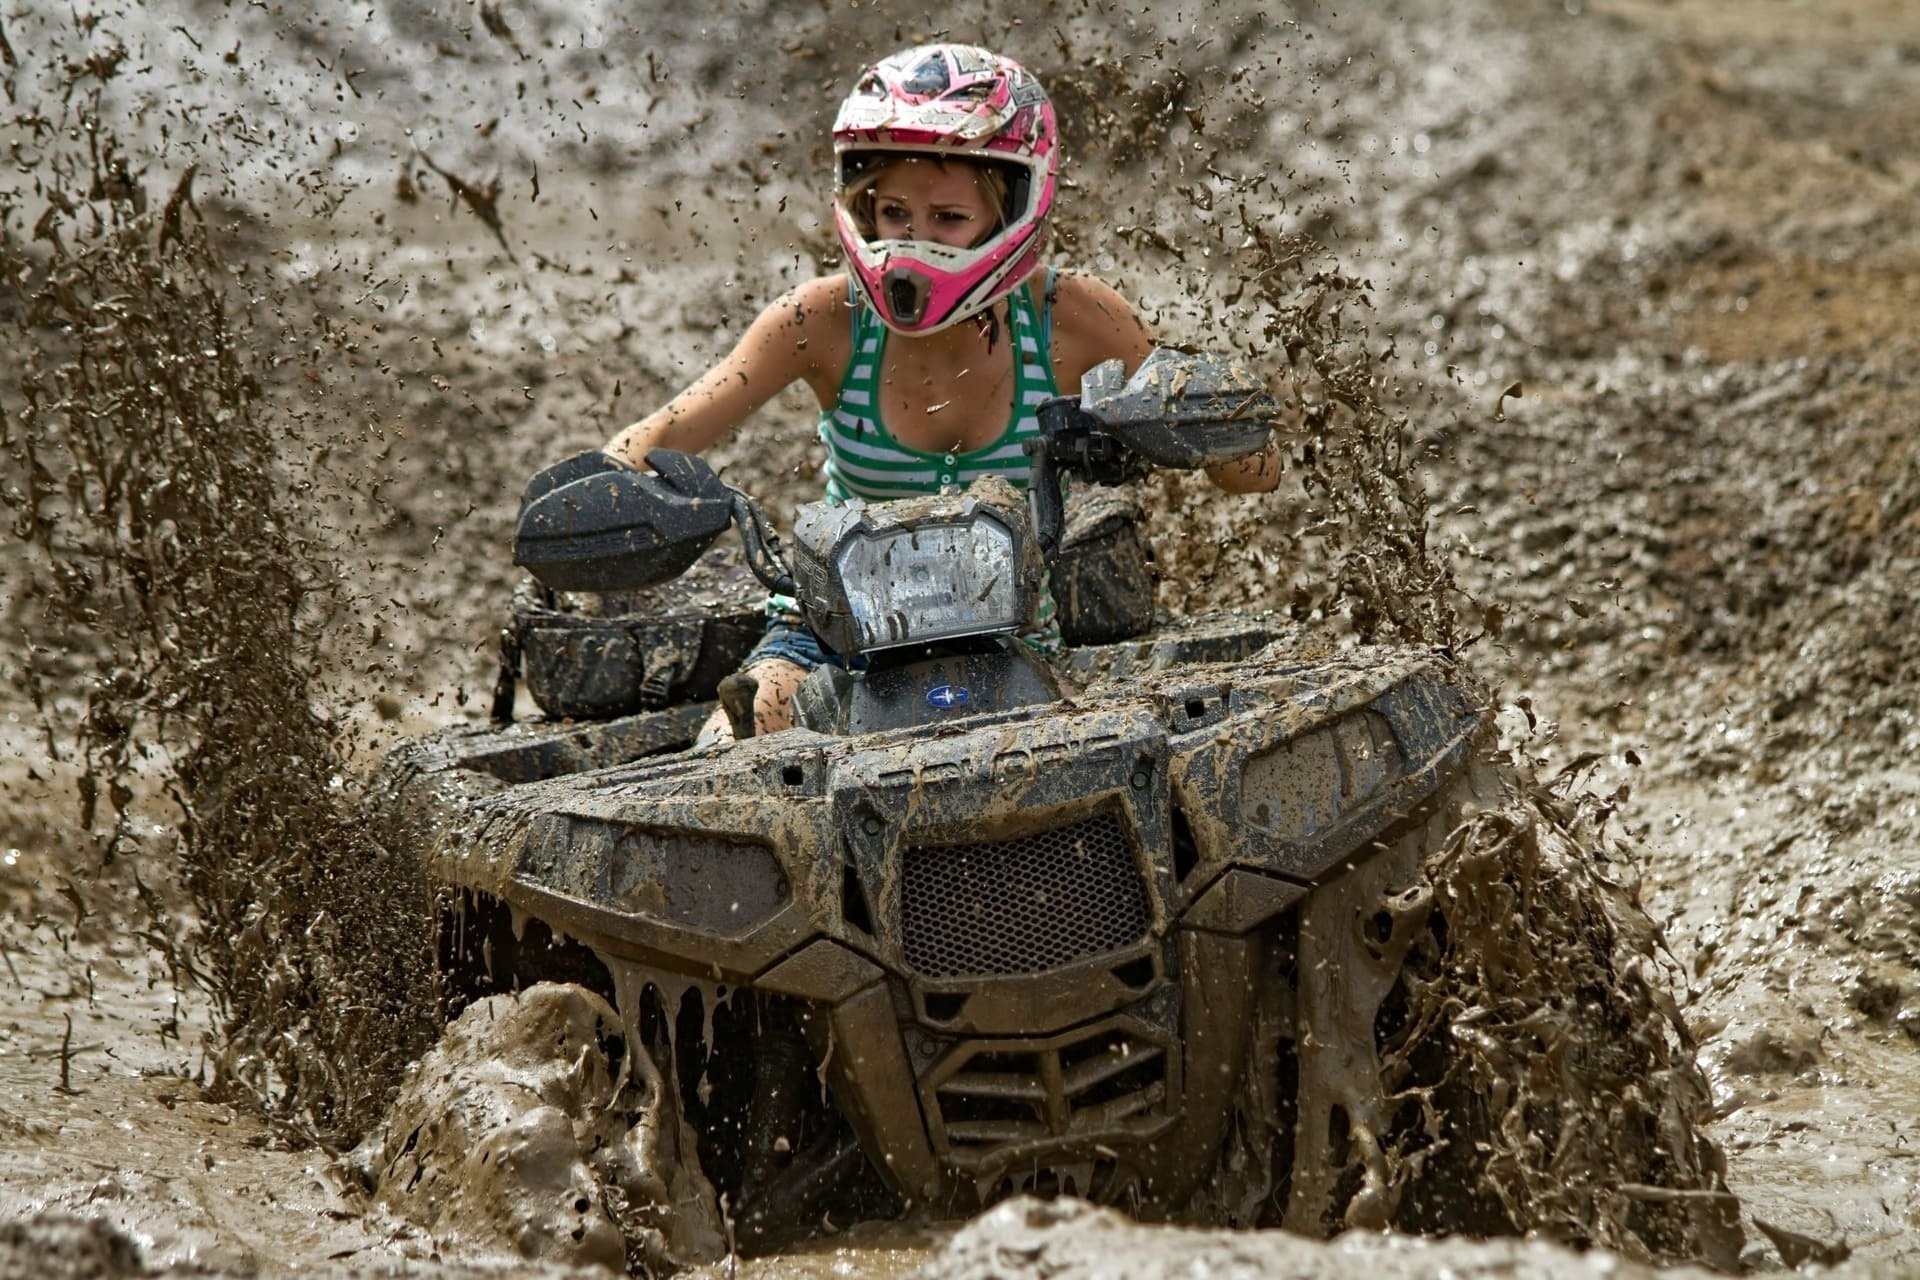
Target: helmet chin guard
[947,102]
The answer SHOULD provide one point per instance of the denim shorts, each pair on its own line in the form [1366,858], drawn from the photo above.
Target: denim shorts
[794,641]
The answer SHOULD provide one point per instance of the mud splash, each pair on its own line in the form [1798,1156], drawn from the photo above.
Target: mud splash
[147,486]
[514,1134]
[1485,1042]
[1556,990]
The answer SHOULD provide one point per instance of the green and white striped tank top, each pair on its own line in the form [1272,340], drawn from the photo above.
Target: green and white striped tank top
[864,461]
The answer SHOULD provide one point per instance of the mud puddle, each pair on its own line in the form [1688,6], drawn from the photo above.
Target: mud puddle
[104,1121]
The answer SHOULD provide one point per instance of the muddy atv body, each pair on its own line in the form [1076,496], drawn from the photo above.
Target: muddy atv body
[954,937]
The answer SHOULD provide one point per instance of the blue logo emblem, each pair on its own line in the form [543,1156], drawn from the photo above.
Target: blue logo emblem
[948,696]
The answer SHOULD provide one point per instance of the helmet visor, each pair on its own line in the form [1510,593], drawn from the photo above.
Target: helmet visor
[1006,187]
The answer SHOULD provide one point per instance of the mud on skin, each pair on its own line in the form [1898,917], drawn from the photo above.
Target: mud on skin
[1679,515]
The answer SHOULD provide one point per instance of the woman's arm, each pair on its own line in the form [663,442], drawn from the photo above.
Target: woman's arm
[800,335]
[1092,324]
[1256,473]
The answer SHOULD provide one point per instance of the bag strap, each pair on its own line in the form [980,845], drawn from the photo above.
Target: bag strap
[507,682]
[1046,315]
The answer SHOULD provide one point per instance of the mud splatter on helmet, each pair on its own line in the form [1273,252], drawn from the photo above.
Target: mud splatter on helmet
[949,102]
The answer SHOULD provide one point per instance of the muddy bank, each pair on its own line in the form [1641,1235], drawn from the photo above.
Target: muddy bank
[1065,1238]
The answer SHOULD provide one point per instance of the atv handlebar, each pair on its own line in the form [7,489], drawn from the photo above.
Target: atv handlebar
[593,523]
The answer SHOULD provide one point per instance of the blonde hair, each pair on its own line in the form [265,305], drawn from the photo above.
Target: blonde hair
[857,196]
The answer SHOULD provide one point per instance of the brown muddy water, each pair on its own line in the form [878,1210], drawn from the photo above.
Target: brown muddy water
[1640,277]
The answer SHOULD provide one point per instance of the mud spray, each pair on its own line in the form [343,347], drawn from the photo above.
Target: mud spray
[169,596]
[1536,1077]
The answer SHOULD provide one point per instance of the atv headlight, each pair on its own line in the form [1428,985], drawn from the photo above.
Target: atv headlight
[885,575]
[933,582]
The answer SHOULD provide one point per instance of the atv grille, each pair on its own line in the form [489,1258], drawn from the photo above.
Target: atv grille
[991,1100]
[1016,906]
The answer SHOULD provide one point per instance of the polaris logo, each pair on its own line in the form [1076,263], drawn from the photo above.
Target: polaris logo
[947,696]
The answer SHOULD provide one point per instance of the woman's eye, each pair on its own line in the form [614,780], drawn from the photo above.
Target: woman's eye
[893,213]
[952,218]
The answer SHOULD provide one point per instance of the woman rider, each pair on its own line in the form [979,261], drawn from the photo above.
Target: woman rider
[930,353]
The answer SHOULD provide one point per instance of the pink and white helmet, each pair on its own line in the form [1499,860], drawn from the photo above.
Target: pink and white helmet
[948,101]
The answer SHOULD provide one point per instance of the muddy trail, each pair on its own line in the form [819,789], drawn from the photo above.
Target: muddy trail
[1595,319]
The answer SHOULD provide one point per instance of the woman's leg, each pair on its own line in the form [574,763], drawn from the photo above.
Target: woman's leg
[773,700]
[776,681]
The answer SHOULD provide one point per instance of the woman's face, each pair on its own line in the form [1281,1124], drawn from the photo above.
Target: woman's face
[922,200]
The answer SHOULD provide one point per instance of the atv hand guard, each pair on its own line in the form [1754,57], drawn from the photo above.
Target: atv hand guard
[1181,410]
[593,524]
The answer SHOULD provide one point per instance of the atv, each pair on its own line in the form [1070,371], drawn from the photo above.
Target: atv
[983,920]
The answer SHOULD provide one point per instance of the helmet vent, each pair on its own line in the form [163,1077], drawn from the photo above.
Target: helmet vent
[906,295]
[930,77]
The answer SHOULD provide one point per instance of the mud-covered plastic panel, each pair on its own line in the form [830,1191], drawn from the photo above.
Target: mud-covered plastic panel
[701,881]
[934,691]
[1182,409]
[594,524]
[1102,572]
[1102,1089]
[705,866]
[1300,769]
[1217,638]
[986,809]
[431,786]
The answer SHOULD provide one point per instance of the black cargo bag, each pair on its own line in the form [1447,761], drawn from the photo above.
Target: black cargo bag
[597,655]
[1103,575]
